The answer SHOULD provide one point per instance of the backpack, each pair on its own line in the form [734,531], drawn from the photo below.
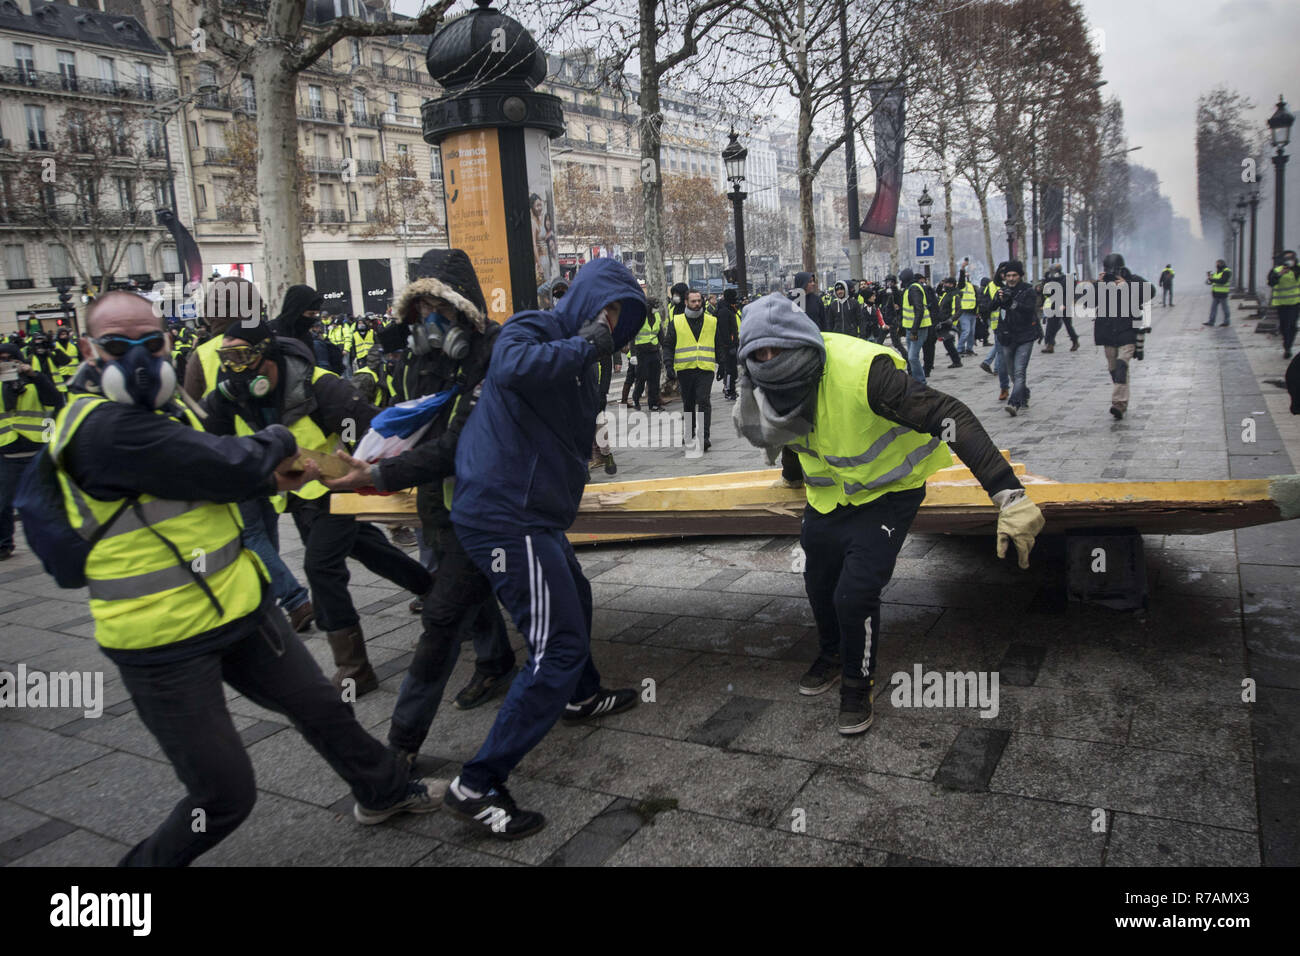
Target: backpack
[39,501]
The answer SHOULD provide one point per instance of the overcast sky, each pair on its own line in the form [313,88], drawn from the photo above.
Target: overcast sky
[1160,55]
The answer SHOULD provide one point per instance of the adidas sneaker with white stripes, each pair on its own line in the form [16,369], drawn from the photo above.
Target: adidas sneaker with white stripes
[495,811]
[601,704]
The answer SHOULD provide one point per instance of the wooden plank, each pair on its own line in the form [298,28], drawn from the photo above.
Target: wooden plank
[740,503]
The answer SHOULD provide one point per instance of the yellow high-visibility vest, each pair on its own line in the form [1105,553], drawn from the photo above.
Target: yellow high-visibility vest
[692,352]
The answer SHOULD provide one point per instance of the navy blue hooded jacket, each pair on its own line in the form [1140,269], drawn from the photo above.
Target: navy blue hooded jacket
[521,463]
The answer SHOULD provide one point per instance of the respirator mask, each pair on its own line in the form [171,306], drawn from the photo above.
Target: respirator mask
[140,371]
[240,376]
[435,333]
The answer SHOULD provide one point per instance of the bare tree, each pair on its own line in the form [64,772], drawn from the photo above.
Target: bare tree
[241,144]
[405,203]
[695,218]
[581,210]
[1224,138]
[96,189]
[280,50]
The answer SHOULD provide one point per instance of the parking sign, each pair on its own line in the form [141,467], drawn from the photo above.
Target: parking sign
[924,249]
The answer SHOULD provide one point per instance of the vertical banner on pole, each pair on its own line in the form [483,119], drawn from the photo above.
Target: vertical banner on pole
[888,106]
[476,212]
[1053,207]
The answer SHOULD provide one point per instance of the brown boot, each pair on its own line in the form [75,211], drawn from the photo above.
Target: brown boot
[1002,395]
[349,647]
[300,617]
[1049,349]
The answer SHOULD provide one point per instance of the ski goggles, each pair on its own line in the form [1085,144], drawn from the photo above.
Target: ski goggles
[240,358]
[118,345]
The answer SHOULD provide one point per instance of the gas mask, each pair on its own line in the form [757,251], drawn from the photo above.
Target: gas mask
[455,345]
[140,372]
[436,333]
[241,376]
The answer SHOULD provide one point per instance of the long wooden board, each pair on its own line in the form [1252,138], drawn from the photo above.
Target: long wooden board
[751,502]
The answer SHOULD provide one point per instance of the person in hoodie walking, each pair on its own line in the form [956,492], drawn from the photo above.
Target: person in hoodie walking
[867,436]
[845,315]
[1018,330]
[809,299]
[265,380]
[521,465]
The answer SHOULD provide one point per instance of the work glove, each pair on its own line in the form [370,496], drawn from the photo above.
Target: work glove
[717,376]
[597,333]
[1019,521]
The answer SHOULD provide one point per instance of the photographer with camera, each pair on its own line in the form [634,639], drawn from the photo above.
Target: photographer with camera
[1220,283]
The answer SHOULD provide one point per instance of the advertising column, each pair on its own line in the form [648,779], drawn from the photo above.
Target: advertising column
[476,212]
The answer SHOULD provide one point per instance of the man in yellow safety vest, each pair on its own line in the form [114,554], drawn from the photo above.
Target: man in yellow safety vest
[690,341]
[867,437]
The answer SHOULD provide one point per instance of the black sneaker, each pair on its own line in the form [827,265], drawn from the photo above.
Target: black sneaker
[988,368]
[421,797]
[821,676]
[495,811]
[605,702]
[482,688]
[1117,412]
[856,714]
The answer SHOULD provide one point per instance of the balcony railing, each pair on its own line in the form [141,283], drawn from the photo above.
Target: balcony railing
[232,213]
[216,156]
[324,164]
[246,6]
[56,281]
[373,215]
[402,75]
[365,119]
[37,141]
[319,114]
[22,283]
[66,83]
[213,101]
[367,167]
[400,119]
[583,144]
[332,215]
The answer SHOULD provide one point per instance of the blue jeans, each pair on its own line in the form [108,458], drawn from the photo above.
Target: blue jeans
[999,366]
[966,338]
[262,537]
[11,471]
[1016,358]
[915,354]
[1215,302]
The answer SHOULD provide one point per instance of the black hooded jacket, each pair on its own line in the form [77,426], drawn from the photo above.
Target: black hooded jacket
[291,322]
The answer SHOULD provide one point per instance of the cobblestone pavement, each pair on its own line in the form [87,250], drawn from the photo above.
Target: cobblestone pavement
[1119,738]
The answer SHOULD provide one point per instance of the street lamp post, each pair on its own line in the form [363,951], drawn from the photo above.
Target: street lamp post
[733,157]
[1279,126]
[925,203]
[1253,202]
[1239,235]
[1011,238]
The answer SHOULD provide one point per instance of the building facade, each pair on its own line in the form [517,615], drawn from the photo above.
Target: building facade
[85,163]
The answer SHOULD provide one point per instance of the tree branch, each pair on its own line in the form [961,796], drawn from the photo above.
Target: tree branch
[425,23]
[210,22]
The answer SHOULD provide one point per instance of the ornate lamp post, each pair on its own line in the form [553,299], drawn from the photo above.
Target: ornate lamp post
[1253,201]
[1239,233]
[1279,126]
[734,159]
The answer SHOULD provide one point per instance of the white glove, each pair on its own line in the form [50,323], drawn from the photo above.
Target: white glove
[1019,521]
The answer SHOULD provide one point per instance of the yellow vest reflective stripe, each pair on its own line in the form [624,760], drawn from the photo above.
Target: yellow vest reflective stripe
[691,352]
[909,314]
[308,435]
[70,350]
[141,595]
[649,331]
[363,343]
[991,290]
[1287,290]
[1220,281]
[29,419]
[207,353]
[968,297]
[853,455]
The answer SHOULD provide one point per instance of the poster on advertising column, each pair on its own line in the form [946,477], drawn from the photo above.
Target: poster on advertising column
[476,212]
[541,203]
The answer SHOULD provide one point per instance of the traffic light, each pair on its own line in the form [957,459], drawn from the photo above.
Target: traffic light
[729,275]
[65,298]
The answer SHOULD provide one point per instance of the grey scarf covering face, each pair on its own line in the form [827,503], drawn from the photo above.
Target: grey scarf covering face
[778,399]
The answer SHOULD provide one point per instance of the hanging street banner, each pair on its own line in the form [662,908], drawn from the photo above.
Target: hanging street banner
[887,103]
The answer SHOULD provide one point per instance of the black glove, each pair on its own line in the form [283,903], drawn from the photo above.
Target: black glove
[717,376]
[597,333]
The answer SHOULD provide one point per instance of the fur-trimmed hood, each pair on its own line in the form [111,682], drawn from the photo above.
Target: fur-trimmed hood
[448,275]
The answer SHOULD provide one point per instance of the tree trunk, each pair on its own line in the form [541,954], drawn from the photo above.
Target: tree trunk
[652,196]
[947,226]
[983,199]
[807,223]
[277,173]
